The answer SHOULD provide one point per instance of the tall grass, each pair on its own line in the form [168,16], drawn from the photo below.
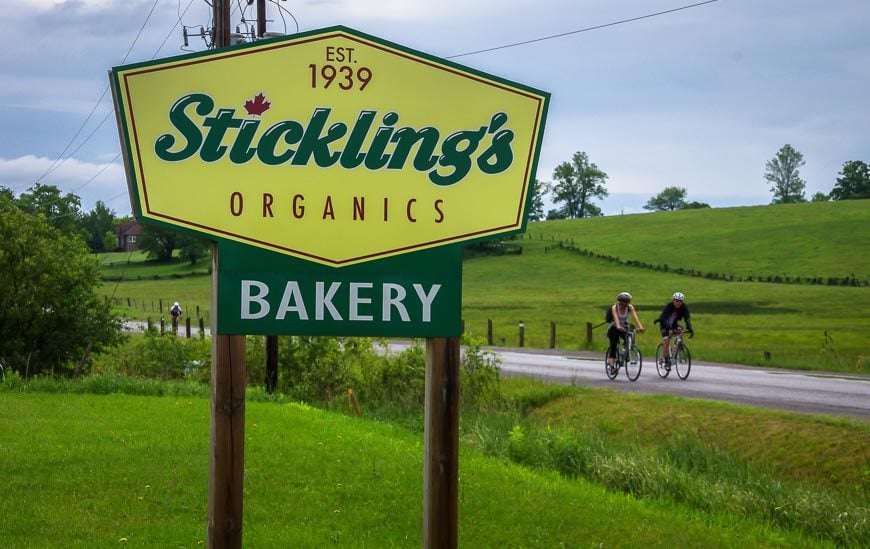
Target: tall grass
[697,475]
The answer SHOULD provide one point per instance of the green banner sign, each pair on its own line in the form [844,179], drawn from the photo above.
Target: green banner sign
[267,293]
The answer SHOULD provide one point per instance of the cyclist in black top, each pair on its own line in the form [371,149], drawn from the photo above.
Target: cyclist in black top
[673,312]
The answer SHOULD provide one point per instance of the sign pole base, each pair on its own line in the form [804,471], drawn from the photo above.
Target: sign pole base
[227,433]
[441,447]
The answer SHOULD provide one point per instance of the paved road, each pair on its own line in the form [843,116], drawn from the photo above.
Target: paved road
[812,392]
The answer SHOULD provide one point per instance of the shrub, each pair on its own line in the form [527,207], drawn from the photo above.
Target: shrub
[156,356]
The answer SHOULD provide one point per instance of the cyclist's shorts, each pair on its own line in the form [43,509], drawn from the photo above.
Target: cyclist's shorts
[666,330]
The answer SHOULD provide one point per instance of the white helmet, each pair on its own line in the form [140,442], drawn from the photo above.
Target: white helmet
[623,297]
[678,296]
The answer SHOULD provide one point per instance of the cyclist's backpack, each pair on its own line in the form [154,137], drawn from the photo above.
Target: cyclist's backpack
[608,316]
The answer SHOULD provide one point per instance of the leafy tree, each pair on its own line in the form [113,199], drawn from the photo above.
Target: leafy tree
[536,213]
[6,192]
[854,181]
[695,205]
[670,199]
[96,224]
[557,213]
[592,210]
[579,181]
[782,172]
[61,212]
[49,310]
[192,248]
[820,197]
[159,243]
[110,240]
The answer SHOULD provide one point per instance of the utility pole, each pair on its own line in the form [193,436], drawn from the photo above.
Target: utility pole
[261,18]
[271,340]
[228,378]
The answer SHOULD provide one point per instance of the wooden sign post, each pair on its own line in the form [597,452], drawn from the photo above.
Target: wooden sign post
[226,463]
[441,445]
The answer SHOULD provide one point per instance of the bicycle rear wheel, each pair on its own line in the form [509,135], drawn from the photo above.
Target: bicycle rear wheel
[634,363]
[611,371]
[683,362]
[660,363]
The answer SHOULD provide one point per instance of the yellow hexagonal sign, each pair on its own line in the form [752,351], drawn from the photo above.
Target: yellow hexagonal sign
[331,146]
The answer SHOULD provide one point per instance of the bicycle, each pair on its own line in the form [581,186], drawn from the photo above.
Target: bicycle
[681,357]
[628,356]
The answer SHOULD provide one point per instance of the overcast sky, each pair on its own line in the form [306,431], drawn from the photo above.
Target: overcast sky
[699,98]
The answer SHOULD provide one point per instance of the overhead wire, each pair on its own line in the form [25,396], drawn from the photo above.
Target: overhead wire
[281,9]
[578,31]
[58,162]
[156,53]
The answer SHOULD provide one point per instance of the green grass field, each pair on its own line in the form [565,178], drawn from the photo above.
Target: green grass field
[807,326]
[827,239]
[87,470]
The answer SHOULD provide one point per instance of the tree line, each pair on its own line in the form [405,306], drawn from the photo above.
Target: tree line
[579,182]
[97,227]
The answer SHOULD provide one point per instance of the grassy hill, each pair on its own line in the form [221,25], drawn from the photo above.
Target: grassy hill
[828,239]
[812,326]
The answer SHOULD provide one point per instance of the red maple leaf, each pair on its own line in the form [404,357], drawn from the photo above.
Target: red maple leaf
[258,106]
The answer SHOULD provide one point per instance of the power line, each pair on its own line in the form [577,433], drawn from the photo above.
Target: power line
[587,29]
[54,165]
[156,52]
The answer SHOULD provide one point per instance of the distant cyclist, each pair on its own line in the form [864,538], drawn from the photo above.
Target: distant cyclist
[175,312]
[620,311]
[675,311]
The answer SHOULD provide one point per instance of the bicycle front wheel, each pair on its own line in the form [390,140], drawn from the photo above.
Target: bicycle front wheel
[611,371]
[683,362]
[660,363]
[634,363]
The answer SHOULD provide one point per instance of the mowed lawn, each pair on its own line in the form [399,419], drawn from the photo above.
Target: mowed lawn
[98,471]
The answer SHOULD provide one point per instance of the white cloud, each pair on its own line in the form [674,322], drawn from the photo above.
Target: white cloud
[90,181]
[48,4]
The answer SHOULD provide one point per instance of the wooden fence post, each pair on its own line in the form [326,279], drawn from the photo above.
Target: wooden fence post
[588,332]
[552,335]
[522,327]
[489,332]
[160,301]
[162,325]
[201,328]
[188,327]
